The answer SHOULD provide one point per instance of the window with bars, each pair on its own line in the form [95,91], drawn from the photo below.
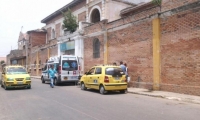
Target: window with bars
[96,48]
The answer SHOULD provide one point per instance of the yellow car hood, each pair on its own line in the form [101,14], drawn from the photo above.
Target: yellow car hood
[17,75]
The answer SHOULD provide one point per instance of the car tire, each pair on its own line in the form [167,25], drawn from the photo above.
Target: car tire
[83,86]
[102,90]
[29,87]
[43,81]
[122,91]
[55,82]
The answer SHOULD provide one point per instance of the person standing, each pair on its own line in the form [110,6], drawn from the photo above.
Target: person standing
[52,72]
[126,69]
[123,67]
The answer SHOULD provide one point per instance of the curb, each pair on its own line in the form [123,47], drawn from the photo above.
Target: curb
[169,98]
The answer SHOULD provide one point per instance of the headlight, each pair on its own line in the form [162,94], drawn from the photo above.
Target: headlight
[28,78]
[10,79]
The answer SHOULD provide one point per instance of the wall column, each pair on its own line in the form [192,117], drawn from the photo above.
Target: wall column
[156,54]
[105,47]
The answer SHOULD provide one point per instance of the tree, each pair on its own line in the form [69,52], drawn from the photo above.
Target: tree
[69,21]
[157,2]
[2,61]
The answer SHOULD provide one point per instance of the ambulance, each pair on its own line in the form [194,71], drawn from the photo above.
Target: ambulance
[67,67]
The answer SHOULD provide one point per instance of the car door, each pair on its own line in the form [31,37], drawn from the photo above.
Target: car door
[89,76]
[44,72]
[96,78]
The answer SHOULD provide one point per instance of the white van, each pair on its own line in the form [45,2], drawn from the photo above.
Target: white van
[67,67]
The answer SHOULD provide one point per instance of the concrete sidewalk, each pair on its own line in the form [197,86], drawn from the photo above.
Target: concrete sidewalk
[161,94]
[166,95]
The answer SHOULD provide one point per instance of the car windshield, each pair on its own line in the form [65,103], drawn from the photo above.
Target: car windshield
[16,70]
[114,71]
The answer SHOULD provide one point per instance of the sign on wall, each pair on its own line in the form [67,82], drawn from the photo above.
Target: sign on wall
[67,46]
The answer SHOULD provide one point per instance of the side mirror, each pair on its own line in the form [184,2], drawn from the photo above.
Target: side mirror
[86,73]
[42,69]
[3,72]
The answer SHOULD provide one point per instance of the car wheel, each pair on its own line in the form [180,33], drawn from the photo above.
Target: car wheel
[102,90]
[29,87]
[55,81]
[122,91]
[83,86]
[43,81]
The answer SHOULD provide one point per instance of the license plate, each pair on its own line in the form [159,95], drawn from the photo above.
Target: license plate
[116,78]
[65,78]
[19,82]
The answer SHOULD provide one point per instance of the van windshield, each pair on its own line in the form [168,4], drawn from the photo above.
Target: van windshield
[69,65]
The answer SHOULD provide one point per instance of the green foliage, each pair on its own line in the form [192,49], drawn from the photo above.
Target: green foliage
[69,21]
[157,2]
[2,61]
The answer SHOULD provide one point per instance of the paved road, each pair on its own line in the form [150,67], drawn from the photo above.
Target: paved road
[68,102]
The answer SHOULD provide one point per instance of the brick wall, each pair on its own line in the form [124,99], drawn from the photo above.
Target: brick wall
[88,52]
[82,16]
[38,38]
[130,40]
[180,52]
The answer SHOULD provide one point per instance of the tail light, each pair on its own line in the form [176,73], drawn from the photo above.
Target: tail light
[106,79]
[59,70]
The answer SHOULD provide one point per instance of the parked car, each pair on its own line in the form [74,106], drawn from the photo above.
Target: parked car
[15,77]
[104,78]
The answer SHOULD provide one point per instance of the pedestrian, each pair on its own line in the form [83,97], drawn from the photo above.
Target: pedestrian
[126,70]
[52,72]
[123,67]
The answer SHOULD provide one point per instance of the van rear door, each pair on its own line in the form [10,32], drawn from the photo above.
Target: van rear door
[70,68]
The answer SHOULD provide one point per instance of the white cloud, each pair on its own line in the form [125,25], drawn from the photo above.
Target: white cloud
[26,13]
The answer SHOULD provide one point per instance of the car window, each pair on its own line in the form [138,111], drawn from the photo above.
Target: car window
[69,65]
[16,70]
[114,71]
[91,71]
[98,70]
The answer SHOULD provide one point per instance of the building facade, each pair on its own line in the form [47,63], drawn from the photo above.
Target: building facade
[160,45]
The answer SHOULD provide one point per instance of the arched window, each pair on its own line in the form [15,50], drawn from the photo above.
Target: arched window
[95,16]
[53,34]
[96,48]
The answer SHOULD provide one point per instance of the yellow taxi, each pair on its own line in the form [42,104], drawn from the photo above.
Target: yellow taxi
[104,78]
[15,77]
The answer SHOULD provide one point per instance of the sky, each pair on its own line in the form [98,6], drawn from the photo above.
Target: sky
[27,13]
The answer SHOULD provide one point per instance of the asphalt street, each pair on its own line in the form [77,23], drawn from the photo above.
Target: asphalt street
[69,102]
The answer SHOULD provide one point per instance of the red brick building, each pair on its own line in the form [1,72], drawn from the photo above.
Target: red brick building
[161,48]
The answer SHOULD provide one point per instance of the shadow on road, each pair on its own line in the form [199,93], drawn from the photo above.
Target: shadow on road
[108,92]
